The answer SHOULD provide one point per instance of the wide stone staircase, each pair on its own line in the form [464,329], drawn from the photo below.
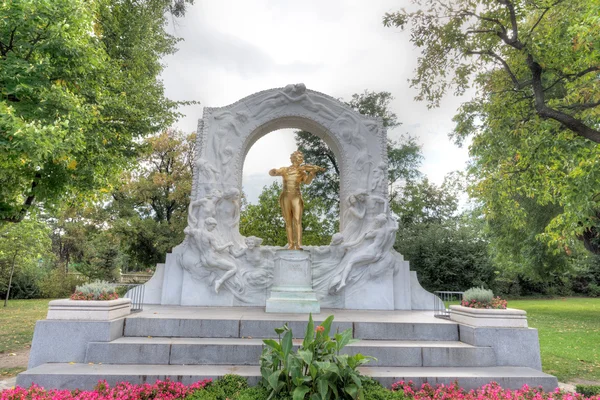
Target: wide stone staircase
[188,347]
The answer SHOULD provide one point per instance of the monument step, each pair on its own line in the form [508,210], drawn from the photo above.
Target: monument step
[86,376]
[227,351]
[264,327]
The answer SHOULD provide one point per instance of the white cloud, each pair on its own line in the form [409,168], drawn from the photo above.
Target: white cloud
[232,49]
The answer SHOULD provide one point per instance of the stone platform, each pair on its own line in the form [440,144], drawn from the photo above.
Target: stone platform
[192,343]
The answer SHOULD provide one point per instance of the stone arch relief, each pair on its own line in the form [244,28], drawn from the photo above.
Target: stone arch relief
[215,265]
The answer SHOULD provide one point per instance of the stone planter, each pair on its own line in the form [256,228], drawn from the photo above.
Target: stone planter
[88,310]
[507,318]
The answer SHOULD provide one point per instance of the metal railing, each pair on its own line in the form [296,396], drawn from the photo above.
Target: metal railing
[135,292]
[442,301]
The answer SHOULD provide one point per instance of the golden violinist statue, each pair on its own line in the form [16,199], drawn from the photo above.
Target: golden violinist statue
[290,200]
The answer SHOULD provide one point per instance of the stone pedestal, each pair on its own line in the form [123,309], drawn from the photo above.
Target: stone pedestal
[292,290]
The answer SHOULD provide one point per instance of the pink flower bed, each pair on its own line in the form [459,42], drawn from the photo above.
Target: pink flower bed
[164,390]
[491,391]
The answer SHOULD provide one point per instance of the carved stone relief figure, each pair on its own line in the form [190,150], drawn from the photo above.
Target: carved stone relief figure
[207,208]
[207,170]
[228,215]
[379,178]
[293,94]
[376,205]
[259,264]
[209,251]
[382,240]
[232,121]
[354,216]
[226,157]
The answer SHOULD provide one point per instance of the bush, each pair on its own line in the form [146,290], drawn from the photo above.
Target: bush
[593,290]
[98,290]
[374,391]
[25,283]
[228,387]
[482,298]
[588,390]
[317,368]
[56,284]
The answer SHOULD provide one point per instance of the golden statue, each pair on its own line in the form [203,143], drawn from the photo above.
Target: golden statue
[290,200]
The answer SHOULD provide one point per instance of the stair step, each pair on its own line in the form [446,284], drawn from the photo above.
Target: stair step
[230,324]
[247,351]
[86,376]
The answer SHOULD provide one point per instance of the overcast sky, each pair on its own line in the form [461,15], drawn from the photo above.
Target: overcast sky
[232,49]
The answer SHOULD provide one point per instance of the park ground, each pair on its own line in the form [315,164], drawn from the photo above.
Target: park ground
[569,331]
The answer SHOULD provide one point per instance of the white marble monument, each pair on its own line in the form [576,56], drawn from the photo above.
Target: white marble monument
[217,266]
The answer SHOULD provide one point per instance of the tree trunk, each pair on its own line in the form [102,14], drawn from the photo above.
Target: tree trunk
[12,271]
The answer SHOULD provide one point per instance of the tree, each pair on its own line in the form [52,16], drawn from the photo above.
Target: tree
[21,245]
[540,47]
[152,203]
[78,88]
[446,247]
[533,118]
[265,220]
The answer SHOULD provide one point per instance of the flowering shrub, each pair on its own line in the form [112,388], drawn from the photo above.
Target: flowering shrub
[164,390]
[496,303]
[98,290]
[491,391]
[78,295]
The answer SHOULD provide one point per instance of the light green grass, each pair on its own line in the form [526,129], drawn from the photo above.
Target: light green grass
[17,321]
[569,332]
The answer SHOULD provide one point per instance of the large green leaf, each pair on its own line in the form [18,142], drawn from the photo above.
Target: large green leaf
[310,332]
[274,379]
[306,356]
[300,392]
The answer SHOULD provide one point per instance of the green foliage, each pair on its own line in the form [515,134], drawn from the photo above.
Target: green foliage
[264,220]
[447,249]
[228,387]
[57,285]
[78,88]
[541,56]
[375,104]
[23,247]
[317,369]
[534,119]
[588,390]
[374,391]
[150,206]
[478,294]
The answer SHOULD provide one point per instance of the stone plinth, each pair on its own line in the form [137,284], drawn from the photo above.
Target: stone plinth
[292,290]
[507,318]
[88,310]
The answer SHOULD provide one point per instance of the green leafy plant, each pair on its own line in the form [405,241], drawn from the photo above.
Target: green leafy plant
[98,290]
[316,370]
[588,390]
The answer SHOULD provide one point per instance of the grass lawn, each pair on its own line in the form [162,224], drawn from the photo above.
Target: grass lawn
[17,321]
[569,332]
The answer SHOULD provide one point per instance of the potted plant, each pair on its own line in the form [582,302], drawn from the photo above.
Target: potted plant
[479,307]
[96,301]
